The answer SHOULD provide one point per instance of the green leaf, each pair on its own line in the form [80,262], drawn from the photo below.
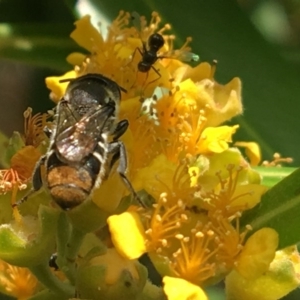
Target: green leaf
[273,175]
[53,283]
[15,143]
[40,44]
[4,140]
[17,245]
[280,210]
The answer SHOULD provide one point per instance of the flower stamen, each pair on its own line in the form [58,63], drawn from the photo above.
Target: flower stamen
[34,127]
[165,222]
[192,260]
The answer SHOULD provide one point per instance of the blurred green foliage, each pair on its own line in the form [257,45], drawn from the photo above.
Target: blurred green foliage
[258,41]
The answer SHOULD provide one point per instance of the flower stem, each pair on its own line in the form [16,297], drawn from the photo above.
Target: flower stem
[63,235]
[71,251]
[48,279]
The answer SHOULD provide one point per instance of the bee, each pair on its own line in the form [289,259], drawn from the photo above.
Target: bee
[150,49]
[84,143]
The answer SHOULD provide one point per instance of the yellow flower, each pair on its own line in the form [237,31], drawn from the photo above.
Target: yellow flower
[223,101]
[162,176]
[183,117]
[58,88]
[216,139]
[34,127]
[9,179]
[116,55]
[17,176]
[252,150]
[258,253]
[131,222]
[280,278]
[140,137]
[110,276]
[24,161]
[16,282]
[110,193]
[178,154]
[179,289]
[195,247]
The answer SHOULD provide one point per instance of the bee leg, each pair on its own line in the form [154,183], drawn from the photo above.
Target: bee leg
[120,129]
[119,152]
[37,181]
[47,131]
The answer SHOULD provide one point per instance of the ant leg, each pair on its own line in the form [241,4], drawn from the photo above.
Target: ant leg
[119,152]
[37,181]
[134,52]
[133,55]
[159,76]
[157,72]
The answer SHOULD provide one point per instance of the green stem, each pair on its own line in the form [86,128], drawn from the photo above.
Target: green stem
[63,235]
[48,295]
[72,249]
[44,274]
[151,292]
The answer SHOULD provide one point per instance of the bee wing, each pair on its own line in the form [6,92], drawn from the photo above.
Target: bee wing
[80,139]
[66,117]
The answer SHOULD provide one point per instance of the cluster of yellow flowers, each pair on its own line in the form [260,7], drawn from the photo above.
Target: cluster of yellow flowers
[195,185]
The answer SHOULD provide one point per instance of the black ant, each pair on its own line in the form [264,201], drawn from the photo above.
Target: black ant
[149,52]
[150,49]
[149,56]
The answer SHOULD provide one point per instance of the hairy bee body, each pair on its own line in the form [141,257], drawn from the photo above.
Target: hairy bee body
[71,184]
[84,143]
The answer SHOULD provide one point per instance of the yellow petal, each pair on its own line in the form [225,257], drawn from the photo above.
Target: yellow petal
[228,101]
[58,89]
[114,264]
[200,72]
[156,176]
[127,234]
[16,282]
[223,101]
[180,289]
[24,161]
[216,139]
[251,195]
[258,253]
[281,278]
[110,276]
[86,35]
[252,151]
[110,192]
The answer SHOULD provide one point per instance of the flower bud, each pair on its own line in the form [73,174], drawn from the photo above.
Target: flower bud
[110,276]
